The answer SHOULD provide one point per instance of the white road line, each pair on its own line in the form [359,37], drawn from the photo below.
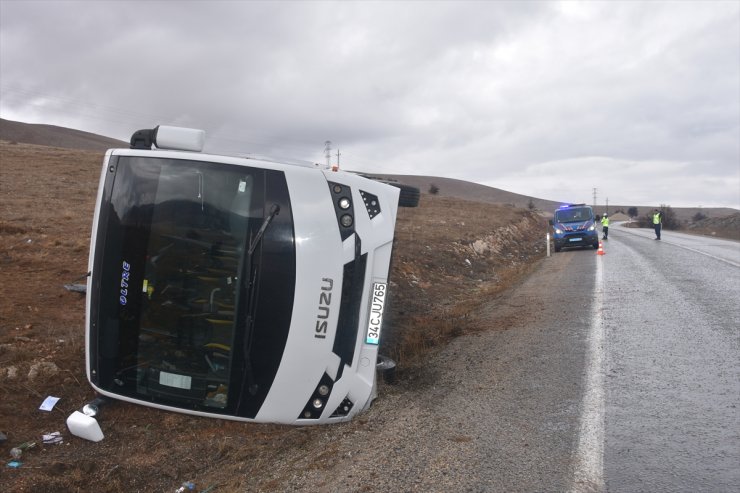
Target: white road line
[701,252]
[734,264]
[589,460]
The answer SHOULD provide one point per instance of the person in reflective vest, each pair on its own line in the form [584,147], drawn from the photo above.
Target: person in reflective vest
[657,222]
[605,226]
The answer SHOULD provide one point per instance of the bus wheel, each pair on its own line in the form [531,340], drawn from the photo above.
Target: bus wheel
[409,196]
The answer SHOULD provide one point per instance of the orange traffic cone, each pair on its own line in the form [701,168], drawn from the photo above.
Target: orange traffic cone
[600,251]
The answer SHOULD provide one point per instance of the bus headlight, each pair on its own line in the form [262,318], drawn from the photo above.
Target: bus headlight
[344,209]
[317,402]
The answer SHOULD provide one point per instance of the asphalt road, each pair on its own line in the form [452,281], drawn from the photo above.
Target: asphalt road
[726,251]
[671,324]
[616,372]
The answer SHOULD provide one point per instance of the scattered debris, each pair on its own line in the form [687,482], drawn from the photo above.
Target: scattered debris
[84,426]
[49,403]
[17,452]
[54,438]
[76,288]
[186,486]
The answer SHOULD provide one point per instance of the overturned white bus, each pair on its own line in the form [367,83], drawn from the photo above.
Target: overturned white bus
[236,288]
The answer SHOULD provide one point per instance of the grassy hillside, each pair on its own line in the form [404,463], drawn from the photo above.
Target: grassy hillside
[53,136]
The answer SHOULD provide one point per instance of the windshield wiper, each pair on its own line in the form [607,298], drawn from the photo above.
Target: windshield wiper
[274,211]
[248,282]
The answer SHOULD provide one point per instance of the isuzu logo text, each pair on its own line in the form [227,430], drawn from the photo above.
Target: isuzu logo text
[322,318]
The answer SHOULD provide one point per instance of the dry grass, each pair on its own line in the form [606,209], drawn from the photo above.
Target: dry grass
[439,279]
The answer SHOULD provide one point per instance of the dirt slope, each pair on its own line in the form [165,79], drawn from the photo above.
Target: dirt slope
[51,135]
[723,227]
[449,187]
[448,253]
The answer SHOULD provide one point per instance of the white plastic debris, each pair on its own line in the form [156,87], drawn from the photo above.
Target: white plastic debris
[84,426]
[49,403]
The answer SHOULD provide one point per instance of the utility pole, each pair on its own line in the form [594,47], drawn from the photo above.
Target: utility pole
[594,197]
[336,166]
[607,205]
[327,153]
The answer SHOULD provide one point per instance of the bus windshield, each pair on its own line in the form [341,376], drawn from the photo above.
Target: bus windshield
[174,282]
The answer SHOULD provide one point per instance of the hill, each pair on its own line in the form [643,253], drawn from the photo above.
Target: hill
[461,189]
[683,214]
[725,227]
[449,187]
[53,136]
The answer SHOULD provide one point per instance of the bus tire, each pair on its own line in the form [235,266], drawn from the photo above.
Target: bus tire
[409,196]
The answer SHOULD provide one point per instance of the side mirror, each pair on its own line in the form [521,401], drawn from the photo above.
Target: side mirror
[84,426]
[179,138]
[167,137]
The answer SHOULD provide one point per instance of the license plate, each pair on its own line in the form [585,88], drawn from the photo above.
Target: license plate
[575,239]
[377,303]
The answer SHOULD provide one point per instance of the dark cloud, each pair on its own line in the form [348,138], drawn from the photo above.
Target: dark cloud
[517,95]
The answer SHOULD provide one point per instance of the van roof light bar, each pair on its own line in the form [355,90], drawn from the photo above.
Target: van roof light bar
[166,137]
[565,206]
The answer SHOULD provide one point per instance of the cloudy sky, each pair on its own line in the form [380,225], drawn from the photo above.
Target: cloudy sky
[640,100]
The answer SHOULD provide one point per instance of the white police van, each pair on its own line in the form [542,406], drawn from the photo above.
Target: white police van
[236,288]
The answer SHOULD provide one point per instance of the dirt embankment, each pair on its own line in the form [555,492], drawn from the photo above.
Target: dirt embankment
[722,227]
[727,227]
[448,254]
